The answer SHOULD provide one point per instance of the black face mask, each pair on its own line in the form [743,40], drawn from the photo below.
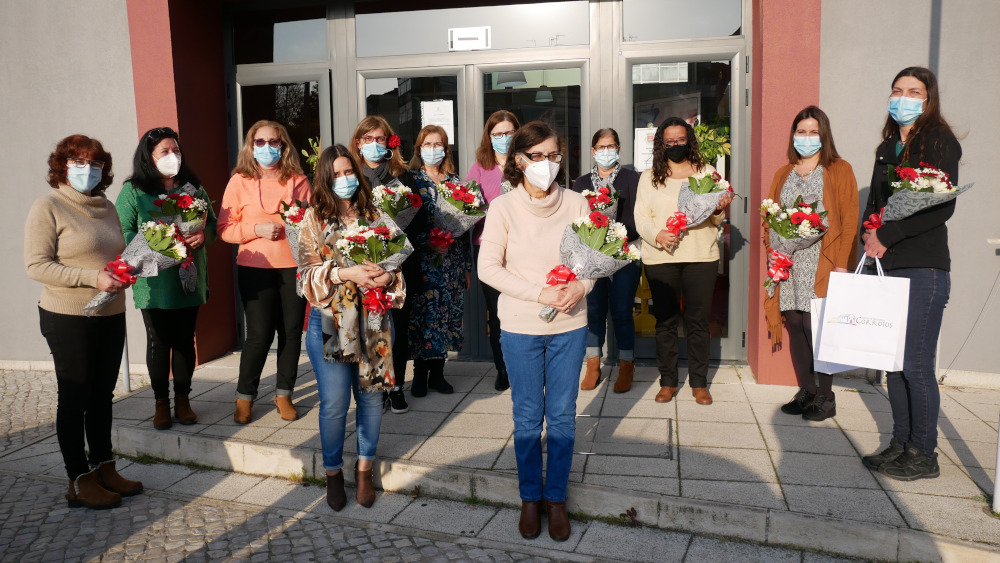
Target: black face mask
[677,153]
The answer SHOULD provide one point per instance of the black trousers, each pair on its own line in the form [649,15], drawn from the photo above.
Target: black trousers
[170,346]
[693,284]
[492,320]
[800,345]
[270,304]
[87,352]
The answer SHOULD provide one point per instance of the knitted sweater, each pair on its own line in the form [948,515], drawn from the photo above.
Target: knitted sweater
[654,205]
[69,237]
[249,201]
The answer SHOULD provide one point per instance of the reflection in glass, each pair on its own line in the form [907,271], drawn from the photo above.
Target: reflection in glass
[406,103]
[551,95]
[294,105]
[652,20]
[279,36]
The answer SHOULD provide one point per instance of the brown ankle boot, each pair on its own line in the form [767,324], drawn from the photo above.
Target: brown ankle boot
[109,478]
[558,520]
[183,412]
[161,418]
[336,497]
[87,492]
[593,374]
[285,407]
[625,372]
[366,486]
[243,408]
[530,524]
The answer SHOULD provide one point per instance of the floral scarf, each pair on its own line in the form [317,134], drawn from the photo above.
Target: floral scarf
[597,182]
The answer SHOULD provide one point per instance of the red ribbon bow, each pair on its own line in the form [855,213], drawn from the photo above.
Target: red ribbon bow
[782,263]
[875,220]
[560,274]
[120,271]
[441,238]
[377,300]
[677,223]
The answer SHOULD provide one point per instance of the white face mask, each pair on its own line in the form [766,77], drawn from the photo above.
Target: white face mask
[169,165]
[541,174]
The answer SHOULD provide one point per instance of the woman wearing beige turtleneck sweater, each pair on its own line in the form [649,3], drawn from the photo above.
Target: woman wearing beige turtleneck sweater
[520,245]
[70,234]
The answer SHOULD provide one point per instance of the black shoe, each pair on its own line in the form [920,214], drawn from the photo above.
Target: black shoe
[419,386]
[875,461]
[911,465]
[435,378]
[397,403]
[502,383]
[821,408]
[798,403]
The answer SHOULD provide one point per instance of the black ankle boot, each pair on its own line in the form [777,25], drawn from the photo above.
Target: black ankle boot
[502,382]
[436,380]
[419,386]
[799,402]
[911,465]
[821,408]
[875,461]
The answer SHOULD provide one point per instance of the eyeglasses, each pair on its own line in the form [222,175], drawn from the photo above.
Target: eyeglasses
[675,142]
[605,147]
[272,142]
[538,157]
[432,146]
[369,139]
[501,134]
[81,162]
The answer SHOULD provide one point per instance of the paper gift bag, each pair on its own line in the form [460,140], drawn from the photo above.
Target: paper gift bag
[816,317]
[864,320]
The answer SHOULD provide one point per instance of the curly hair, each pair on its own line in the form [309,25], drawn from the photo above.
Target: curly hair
[145,175]
[527,136]
[288,165]
[661,164]
[397,167]
[324,201]
[79,146]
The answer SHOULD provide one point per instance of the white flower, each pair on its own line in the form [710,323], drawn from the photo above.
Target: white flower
[579,221]
[620,232]
[782,216]
[588,193]
[343,244]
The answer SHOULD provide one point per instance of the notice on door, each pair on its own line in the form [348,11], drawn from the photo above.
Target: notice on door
[439,112]
[642,157]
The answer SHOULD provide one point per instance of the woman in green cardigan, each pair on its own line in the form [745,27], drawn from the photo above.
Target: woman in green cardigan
[169,311]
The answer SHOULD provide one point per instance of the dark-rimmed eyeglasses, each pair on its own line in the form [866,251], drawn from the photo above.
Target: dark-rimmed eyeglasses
[538,157]
[370,139]
[675,142]
[501,134]
[81,162]
[276,143]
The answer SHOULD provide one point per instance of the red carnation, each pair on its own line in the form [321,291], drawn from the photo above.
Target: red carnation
[798,217]
[604,199]
[716,176]
[599,219]
[393,141]
[382,231]
[185,201]
[592,202]
[158,203]
[357,239]
[906,173]
[604,190]
[805,205]
[814,218]
[415,200]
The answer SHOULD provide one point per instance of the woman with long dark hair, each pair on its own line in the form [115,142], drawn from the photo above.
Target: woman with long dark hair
[678,269]
[915,248]
[168,311]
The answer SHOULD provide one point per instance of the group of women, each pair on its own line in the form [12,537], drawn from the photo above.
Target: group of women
[74,230]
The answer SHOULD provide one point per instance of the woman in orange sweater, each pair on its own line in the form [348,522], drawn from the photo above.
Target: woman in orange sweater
[267,173]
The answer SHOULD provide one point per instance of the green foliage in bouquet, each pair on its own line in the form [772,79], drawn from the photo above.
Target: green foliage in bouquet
[713,140]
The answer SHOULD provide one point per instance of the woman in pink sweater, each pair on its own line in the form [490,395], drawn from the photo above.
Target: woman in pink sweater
[267,173]
[520,245]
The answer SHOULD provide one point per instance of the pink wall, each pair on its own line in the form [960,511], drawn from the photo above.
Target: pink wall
[785,79]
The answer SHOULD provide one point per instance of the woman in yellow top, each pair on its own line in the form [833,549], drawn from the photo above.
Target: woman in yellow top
[678,267]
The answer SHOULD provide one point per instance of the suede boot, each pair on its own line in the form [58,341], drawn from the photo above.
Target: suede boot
[87,492]
[336,497]
[161,418]
[530,524]
[419,386]
[109,478]
[593,374]
[366,486]
[243,409]
[558,520]
[502,382]
[285,407]
[435,379]
[183,412]
[625,372]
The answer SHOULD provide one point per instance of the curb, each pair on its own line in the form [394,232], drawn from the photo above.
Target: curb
[780,528]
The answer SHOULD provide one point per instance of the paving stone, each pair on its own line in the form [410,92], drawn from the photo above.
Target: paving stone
[719,434]
[479,453]
[765,495]
[632,544]
[445,516]
[837,471]
[503,527]
[473,425]
[220,485]
[807,439]
[868,505]
[486,403]
[956,517]
[660,485]
[721,393]
[711,549]
[726,464]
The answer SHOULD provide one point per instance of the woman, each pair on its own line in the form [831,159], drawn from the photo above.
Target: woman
[376,147]
[346,355]
[70,234]
[618,290]
[445,274]
[678,269]
[491,156]
[520,245]
[816,172]
[267,173]
[915,248]
[168,311]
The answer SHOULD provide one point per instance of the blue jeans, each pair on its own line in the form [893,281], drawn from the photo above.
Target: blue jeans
[618,291]
[913,393]
[335,381]
[544,373]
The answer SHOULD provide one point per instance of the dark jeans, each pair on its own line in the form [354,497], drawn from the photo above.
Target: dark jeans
[492,320]
[412,276]
[694,283]
[913,393]
[170,346]
[87,353]
[800,344]
[270,304]
[618,291]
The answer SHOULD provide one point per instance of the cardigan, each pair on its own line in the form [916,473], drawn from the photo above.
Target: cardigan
[838,247]
[626,184]
[654,205]
[490,181]
[249,201]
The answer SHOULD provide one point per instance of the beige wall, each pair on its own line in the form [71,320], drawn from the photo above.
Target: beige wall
[66,69]
[864,44]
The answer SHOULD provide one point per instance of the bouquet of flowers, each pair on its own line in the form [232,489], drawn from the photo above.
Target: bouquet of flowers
[592,247]
[292,215]
[700,195]
[184,209]
[916,189]
[440,239]
[383,244]
[156,247]
[792,229]
[604,199]
[459,206]
[398,202]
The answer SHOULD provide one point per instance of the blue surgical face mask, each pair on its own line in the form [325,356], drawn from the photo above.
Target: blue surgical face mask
[345,186]
[432,156]
[84,178]
[501,143]
[267,156]
[606,158]
[373,152]
[905,110]
[807,145]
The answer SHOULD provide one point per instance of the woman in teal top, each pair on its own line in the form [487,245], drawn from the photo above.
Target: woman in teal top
[169,311]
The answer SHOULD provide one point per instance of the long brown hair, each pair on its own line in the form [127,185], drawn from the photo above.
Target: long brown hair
[929,121]
[524,138]
[828,151]
[484,153]
[288,165]
[661,164]
[396,164]
[447,166]
[325,202]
